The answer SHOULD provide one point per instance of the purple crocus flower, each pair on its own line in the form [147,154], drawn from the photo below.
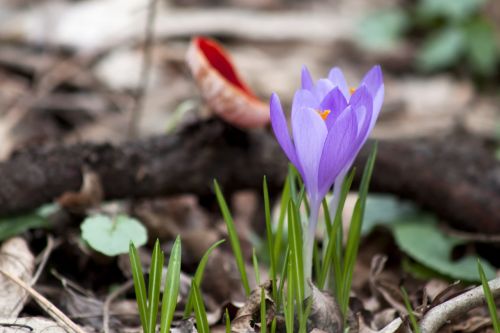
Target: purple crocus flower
[329,127]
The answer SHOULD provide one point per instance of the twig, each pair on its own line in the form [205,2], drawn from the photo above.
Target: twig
[132,314]
[456,306]
[50,308]
[43,260]
[147,60]
[111,297]
[471,236]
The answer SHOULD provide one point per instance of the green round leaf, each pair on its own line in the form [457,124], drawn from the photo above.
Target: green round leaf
[422,240]
[441,49]
[384,209]
[112,236]
[382,29]
[481,47]
[453,10]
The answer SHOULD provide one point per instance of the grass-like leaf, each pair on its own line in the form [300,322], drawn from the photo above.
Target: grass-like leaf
[255,263]
[154,285]
[489,298]
[292,179]
[139,285]
[316,260]
[333,251]
[354,235]
[14,225]
[296,247]
[171,290]
[413,319]
[328,220]
[228,321]
[278,239]
[198,276]
[283,275]
[199,310]
[273,325]
[288,302]
[233,237]
[270,238]
[263,319]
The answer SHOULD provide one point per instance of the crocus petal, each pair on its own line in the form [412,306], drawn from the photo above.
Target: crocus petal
[374,82]
[338,80]
[307,81]
[304,99]
[280,128]
[362,104]
[336,103]
[338,150]
[378,99]
[309,133]
[321,89]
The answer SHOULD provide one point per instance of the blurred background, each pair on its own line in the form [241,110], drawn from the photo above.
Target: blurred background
[73,70]
[112,70]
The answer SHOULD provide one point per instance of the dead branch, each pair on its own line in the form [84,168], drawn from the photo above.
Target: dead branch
[458,177]
[147,59]
[47,306]
[456,306]
[186,162]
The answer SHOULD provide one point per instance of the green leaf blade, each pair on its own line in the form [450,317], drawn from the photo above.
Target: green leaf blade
[139,285]
[198,276]
[270,238]
[199,310]
[296,247]
[409,309]
[354,235]
[492,308]
[233,237]
[172,284]
[155,273]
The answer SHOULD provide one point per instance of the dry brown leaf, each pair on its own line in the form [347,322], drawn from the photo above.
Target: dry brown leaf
[78,304]
[221,280]
[394,326]
[325,312]
[185,326]
[383,288]
[30,324]
[16,259]
[384,318]
[249,315]
[472,324]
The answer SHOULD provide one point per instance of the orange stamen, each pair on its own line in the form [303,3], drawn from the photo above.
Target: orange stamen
[324,113]
[352,90]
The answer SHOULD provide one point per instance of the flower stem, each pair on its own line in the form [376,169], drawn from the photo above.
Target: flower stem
[337,189]
[309,241]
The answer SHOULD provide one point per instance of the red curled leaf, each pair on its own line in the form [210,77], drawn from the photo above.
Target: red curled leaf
[221,86]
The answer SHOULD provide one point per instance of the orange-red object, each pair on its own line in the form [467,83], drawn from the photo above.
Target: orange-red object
[221,86]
